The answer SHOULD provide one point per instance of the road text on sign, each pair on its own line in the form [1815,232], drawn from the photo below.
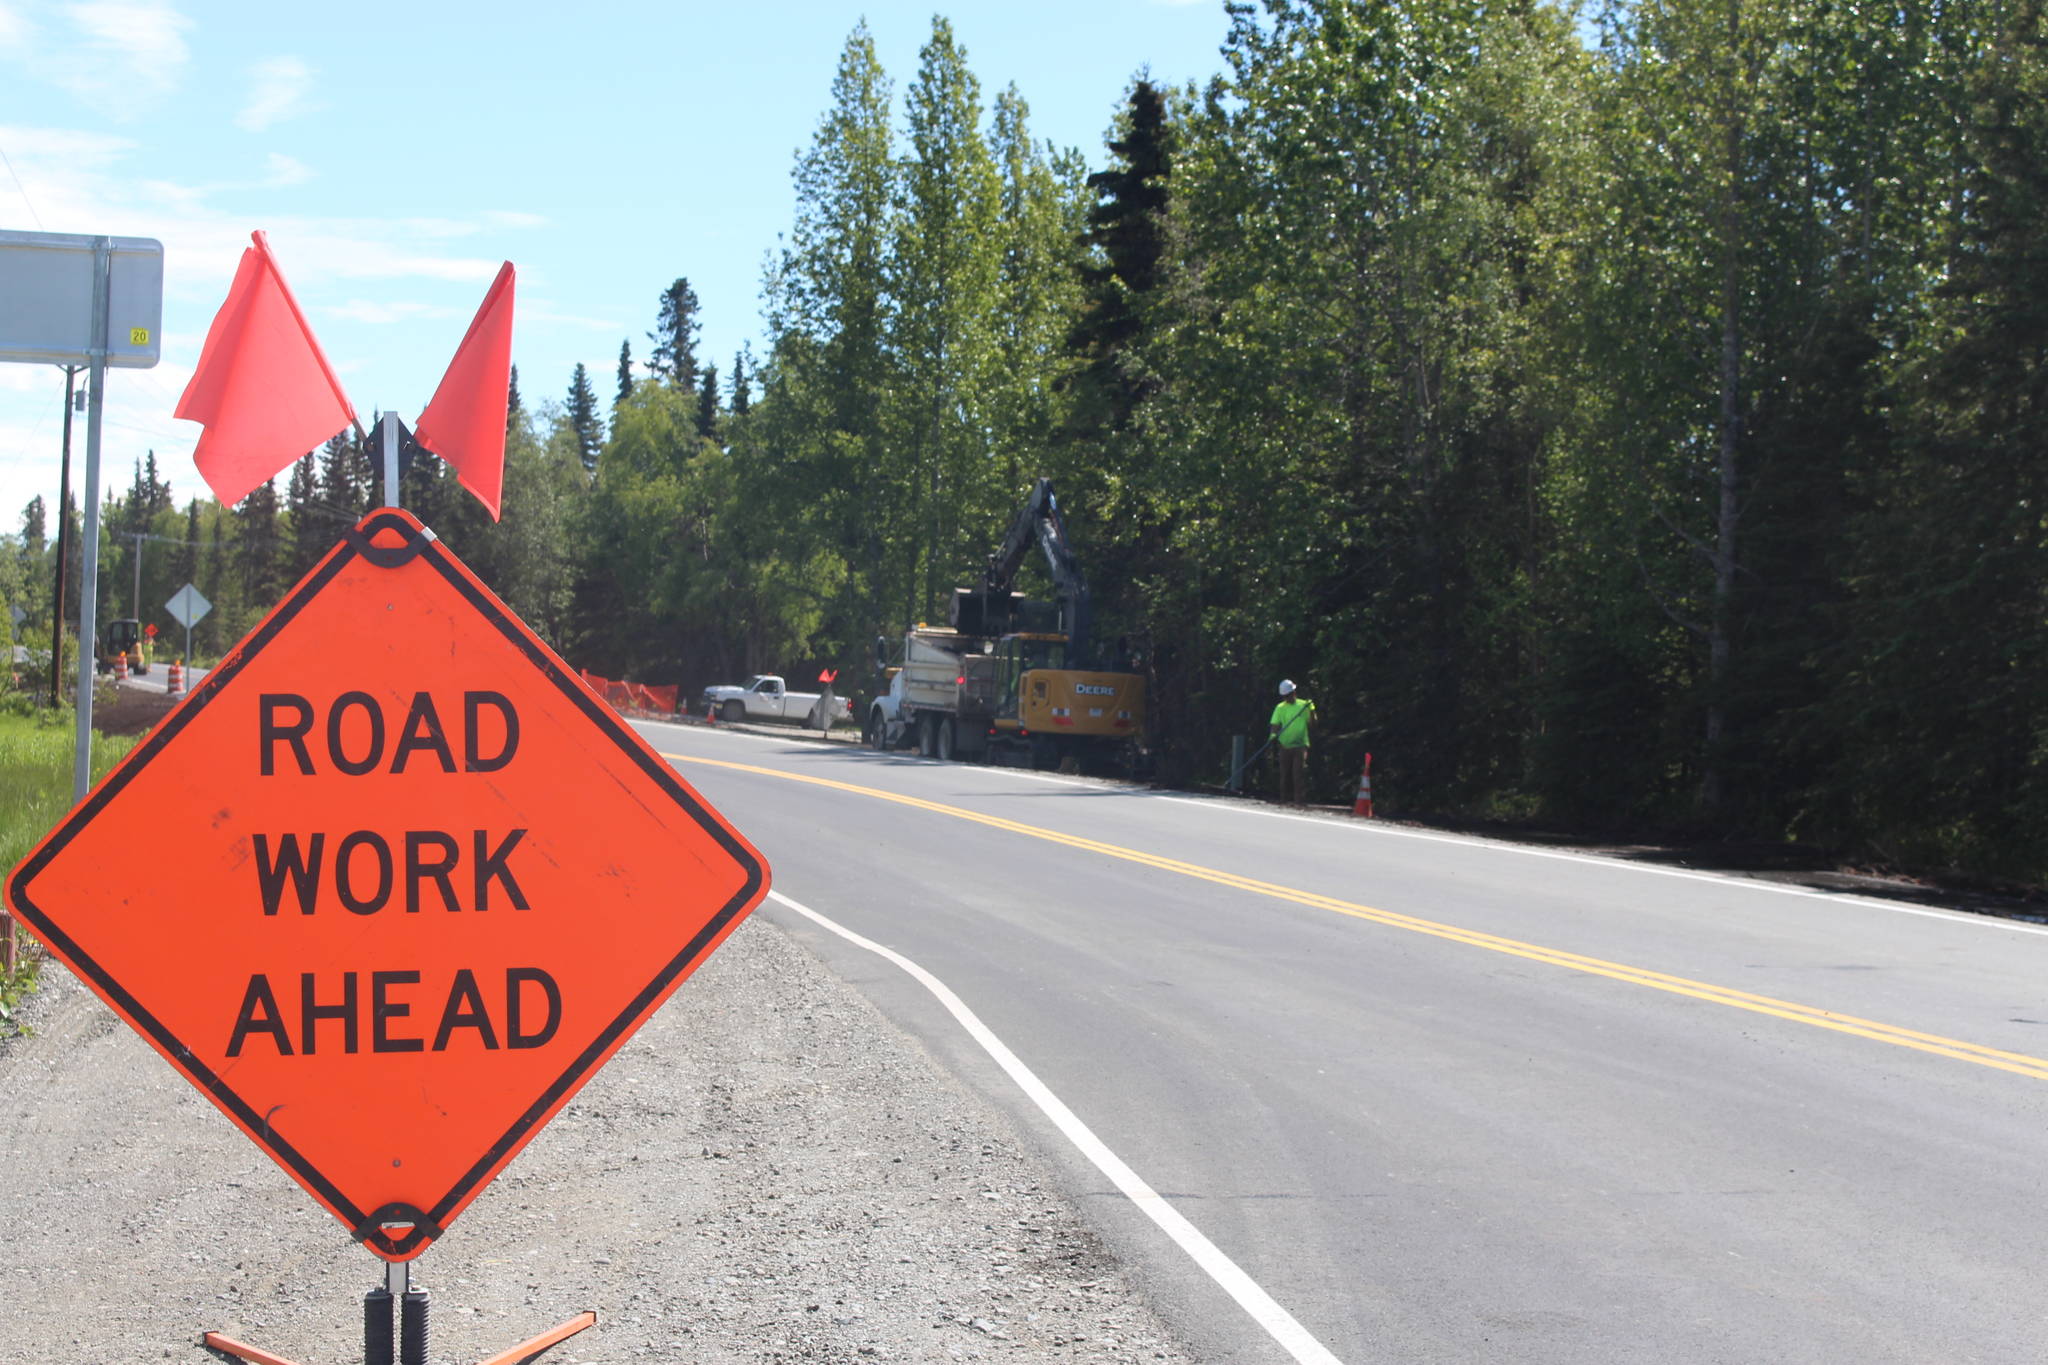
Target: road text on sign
[389,885]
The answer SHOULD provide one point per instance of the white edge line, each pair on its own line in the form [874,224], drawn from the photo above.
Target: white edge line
[1726,879]
[1277,1321]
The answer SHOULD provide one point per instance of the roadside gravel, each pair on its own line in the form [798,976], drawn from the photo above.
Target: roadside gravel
[768,1171]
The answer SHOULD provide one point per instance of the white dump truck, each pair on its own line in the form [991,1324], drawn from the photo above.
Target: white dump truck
[765,697]
[940,695]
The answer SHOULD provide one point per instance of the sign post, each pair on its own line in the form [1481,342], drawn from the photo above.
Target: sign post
[188,607]
[416,883]
[63,545]
[828,703]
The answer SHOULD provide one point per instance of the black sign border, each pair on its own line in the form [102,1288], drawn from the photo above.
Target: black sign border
[419,542]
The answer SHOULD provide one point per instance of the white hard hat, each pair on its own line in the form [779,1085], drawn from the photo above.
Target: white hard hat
[1286,686]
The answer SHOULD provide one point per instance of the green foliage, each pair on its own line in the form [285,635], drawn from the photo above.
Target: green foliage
[1634,427]
[36,754]
[1637,432]
[24,980]
[943,274]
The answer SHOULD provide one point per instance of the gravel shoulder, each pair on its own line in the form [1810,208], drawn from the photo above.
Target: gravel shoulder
[768,1171]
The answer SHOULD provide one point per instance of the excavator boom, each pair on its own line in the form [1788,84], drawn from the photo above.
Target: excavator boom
[996,608]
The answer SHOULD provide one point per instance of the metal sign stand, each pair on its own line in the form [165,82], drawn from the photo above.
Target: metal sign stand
[398,1289]
[63,544]
[412,1333]
[390,426]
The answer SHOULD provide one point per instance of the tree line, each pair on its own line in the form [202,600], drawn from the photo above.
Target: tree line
[1633,420]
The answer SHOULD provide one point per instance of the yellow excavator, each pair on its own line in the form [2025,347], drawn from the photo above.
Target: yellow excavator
[1011,673]
[123,636]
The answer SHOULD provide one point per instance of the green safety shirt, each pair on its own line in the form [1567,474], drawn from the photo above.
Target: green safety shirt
[1291,718]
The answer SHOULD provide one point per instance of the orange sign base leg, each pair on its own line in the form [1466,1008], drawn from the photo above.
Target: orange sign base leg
[241,1350]
[527,1350]
[521,1354]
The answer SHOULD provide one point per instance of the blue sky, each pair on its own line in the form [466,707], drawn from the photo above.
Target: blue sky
[396,153]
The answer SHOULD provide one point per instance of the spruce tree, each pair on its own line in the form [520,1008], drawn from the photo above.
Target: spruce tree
[515,411]
[156,490]
[742,392]
[675,336]
[185,557]
[259,548]
[344,483]
[581,410]
[309,537]
[707,405]
[35,524]
[28,554]
[625,373]
[1127,236]
[215,580]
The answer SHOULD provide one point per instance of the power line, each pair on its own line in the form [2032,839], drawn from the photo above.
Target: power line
[23,188]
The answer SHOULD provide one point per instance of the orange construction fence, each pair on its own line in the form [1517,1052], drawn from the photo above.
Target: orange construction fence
[643,700]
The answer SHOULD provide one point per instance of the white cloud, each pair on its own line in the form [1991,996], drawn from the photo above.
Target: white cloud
[81,183]
[511,218]
[373,250]
[14,30]
[281,170]
[362,310]
[541,313]
[96,182]
[130,54]
[279,93]
[137,418]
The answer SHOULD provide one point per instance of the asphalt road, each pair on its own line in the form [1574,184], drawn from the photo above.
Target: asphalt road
[1447,1099]
[159,677]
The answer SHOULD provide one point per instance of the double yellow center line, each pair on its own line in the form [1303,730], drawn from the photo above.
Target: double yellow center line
[2016,1062]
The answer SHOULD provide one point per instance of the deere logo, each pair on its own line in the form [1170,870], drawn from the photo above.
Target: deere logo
[1094,690]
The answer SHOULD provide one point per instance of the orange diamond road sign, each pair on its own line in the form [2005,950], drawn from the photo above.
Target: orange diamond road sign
[389,885]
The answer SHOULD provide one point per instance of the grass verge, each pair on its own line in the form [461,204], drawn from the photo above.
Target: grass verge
[35,792]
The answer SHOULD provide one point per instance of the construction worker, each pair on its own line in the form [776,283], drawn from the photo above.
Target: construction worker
[1289,732]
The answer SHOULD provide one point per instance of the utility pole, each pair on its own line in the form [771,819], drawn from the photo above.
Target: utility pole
[138,537]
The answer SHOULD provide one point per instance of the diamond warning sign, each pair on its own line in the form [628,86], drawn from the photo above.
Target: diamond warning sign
[390,884]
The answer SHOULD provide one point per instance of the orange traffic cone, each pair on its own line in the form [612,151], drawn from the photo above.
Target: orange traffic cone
[711,713]
[1362,807]
[174,681]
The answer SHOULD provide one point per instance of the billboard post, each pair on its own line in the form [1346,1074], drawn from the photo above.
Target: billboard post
[79,298]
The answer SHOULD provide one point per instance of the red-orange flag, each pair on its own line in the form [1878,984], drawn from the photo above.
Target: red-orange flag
[263,388]
[465,422]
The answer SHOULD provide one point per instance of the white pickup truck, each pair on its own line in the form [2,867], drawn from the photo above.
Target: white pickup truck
[764,697]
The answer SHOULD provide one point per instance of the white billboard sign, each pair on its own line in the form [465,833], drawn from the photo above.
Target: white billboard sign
[46,298]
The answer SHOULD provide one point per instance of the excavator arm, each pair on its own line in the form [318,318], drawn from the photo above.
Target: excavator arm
[991,608]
